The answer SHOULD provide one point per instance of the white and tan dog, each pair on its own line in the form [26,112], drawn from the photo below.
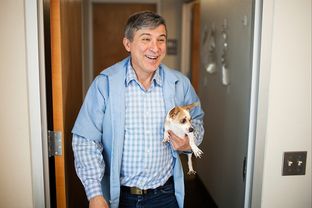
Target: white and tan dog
[178,120]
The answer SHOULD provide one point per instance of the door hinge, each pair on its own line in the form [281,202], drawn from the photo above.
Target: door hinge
[55,143]
[244,168]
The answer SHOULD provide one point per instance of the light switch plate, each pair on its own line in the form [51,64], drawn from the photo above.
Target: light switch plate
[294,163]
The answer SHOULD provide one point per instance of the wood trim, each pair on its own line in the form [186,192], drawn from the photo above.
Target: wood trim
[195,46]
[56,65]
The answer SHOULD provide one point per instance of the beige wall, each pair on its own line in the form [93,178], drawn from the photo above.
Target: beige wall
[15,164]
[171,10]
[284,104]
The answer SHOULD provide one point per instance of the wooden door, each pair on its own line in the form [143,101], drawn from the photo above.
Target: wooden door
[108,20]
[195,46]
[57,99]
[66,77]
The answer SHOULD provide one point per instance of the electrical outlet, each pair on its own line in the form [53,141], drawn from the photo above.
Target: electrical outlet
[294,163]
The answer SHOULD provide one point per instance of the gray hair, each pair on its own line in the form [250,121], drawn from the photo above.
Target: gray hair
[143,19]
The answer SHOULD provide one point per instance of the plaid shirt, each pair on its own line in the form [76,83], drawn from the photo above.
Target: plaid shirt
[141,160]
[146,162]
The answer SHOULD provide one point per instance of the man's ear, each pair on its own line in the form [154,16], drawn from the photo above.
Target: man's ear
[126,43]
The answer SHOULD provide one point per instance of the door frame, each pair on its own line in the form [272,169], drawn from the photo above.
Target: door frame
[253,114]
[37,103]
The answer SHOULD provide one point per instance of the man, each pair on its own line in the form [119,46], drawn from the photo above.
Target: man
[117,137]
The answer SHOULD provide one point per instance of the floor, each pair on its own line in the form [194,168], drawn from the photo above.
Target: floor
[196,195]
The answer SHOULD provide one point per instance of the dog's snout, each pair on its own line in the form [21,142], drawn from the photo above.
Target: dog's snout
[191,129]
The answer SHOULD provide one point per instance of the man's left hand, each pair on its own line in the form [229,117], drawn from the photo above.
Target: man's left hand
[178,143]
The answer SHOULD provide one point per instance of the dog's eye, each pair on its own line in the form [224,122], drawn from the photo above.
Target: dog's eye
[183,120]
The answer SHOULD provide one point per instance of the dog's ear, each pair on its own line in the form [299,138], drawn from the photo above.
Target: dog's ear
[190,106]
[174,112]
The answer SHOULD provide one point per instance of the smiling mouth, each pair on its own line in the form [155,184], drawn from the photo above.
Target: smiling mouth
[151,57]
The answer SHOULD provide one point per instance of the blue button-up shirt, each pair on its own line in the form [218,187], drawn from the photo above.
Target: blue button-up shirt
[99,130]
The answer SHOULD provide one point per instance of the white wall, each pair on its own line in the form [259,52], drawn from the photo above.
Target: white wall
[15,163]
[284,104]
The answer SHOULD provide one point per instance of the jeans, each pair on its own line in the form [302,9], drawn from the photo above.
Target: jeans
[162,197]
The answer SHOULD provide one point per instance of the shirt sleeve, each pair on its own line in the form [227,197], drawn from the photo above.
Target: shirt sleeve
[198,131]
[197,112]
[89,164]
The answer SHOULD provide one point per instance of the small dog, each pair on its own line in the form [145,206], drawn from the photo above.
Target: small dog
[178,120]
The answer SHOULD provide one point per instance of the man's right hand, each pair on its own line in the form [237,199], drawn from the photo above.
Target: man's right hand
[98,202]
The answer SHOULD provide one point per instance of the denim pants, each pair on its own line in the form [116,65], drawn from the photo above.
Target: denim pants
[162,197]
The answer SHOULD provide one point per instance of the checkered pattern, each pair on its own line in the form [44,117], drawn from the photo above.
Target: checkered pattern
[198,131]
[146,162]
[89,164]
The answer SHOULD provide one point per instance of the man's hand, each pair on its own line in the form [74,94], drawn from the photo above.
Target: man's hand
[178,143]
[98,202]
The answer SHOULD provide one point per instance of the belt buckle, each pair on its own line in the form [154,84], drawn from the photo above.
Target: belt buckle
[137,191]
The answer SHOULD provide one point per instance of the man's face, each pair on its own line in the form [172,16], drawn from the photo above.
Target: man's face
[148,48]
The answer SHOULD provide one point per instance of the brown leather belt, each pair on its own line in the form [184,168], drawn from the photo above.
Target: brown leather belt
[138,191]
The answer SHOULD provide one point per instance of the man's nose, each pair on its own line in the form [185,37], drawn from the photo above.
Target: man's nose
[191,129]
[154,46]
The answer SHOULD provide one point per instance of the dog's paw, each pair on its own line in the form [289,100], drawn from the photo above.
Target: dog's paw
[197,152]
[165,140]
[166,137]
[191,172]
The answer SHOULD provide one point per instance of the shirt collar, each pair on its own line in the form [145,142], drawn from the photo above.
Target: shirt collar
[130,75]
